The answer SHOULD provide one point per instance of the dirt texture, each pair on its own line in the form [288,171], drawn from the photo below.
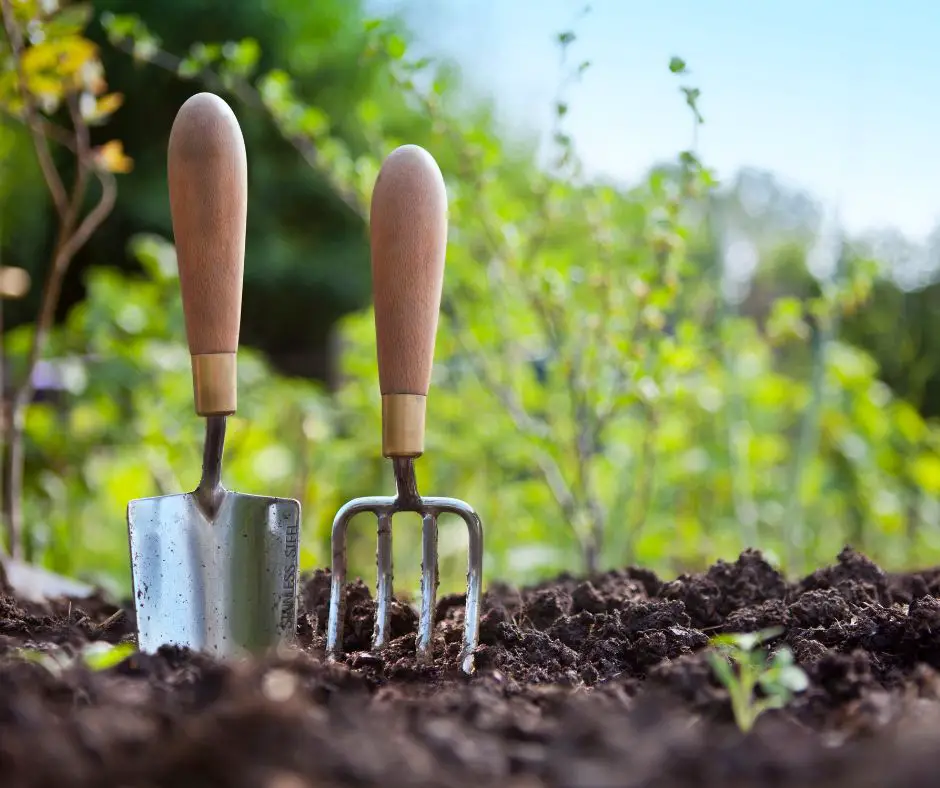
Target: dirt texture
[580,682]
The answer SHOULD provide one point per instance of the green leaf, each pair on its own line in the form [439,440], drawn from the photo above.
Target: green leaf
[677,65]
[188,68]
[794,678]
[925,470]
[242,56]
[746,641]
[71,20]
[313,122]
[722,669]
[396,47]
[101,656]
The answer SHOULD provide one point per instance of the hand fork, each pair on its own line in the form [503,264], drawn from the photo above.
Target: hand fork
[408,239]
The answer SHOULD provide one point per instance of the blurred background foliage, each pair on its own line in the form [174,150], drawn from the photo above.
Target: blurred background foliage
[656,374]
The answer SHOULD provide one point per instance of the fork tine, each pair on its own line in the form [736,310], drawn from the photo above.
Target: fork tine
[383,591]
[428,587]
[334,630]
[471,620]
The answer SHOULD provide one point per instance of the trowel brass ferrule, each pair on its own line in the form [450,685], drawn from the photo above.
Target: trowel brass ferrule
[215,383]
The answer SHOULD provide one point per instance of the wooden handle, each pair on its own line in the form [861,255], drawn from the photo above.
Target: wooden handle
[208,180]
[409,239]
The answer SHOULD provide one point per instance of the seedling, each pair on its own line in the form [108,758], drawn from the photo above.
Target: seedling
[95,656]
[741,668]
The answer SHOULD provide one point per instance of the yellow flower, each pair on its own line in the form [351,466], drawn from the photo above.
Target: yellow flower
[112,158]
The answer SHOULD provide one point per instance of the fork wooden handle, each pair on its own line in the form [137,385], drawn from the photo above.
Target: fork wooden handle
[408,238]
[208,182]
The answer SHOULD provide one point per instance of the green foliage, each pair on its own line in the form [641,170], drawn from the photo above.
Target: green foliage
[596,395]
[131,429]
[743,669]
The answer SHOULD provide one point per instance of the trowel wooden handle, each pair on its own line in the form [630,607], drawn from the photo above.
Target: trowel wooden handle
[208,181]
[409,238]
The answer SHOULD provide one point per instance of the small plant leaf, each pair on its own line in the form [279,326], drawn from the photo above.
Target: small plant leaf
[724,641]
[746,641]
[101,656]
[722,669]
[794,678]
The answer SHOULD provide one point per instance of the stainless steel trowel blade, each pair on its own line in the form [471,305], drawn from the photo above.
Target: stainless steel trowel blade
[227,586]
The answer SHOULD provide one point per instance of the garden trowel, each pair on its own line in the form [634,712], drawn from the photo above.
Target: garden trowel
[213,570]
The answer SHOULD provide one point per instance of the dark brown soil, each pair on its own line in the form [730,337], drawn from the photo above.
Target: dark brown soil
[580,683]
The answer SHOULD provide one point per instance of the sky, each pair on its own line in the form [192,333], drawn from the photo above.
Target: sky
[840,99]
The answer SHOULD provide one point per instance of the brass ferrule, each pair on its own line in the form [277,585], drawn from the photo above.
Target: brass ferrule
[215,384]
[403,425]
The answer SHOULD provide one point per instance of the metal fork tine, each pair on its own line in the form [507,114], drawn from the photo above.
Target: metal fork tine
[428,587]
[474,588]
[383,592]
[337,617]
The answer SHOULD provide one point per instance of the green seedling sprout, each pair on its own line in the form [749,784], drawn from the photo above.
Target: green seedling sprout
[742,668]
[96,656]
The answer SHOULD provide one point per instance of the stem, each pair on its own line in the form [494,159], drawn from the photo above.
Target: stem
[742,493]
[810,423]
[644,489]
[742,699]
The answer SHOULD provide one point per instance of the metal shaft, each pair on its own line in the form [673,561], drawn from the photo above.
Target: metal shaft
[406,484]
[210,492]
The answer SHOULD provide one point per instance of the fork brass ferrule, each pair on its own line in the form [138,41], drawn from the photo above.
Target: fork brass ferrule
[215,383]
[403,424]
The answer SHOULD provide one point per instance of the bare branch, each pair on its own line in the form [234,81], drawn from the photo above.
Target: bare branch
[49,130]
[92,221]
[83,164]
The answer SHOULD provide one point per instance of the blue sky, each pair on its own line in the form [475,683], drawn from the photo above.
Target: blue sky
[839,98]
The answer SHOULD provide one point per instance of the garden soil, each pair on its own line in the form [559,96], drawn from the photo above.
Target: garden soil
[600,682]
